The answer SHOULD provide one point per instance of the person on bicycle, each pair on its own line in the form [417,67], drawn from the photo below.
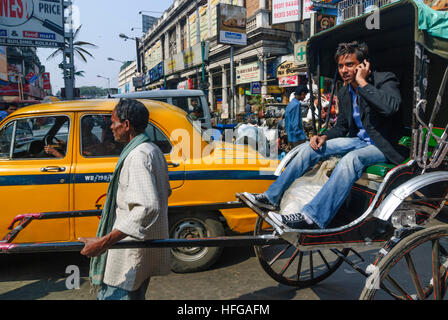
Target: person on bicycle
[363,135]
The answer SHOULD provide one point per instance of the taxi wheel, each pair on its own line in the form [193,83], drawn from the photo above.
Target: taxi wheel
[194,225]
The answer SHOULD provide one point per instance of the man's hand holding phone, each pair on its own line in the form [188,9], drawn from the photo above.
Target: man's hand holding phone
[362,72]
[317,141]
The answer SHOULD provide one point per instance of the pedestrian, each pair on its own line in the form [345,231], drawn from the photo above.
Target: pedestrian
[10,109]
[293,118]
[136,208]
[365,133]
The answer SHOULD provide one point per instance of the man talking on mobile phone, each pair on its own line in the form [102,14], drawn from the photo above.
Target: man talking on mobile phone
[363,135]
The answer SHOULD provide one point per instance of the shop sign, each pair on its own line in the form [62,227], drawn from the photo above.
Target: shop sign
[156,73]
[284,11]
[307,5]
[289,81]
[3,64]
[137,82]
[274,90]
[46,81]
[231,24]
[35,23]
[185,60]
[248,73]
[182,85]
[255,88]
[287,68]
[300,53]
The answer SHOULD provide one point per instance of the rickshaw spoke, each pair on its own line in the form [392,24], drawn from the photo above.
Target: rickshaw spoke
[311,264]
[325,260]
[279,255]
[286,266]
[436,276]
[415,277]
[299,265]
[390,292]
[405,295]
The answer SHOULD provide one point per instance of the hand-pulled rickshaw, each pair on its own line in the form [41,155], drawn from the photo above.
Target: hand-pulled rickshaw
[396,209]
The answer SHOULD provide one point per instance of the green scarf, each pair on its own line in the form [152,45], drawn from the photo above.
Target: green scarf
[98,264]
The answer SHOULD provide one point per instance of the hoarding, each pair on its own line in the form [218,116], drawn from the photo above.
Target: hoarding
[284,11]
[46,81]
[3,64]
[306,11]
[248,73]
[37,23]
[231,24]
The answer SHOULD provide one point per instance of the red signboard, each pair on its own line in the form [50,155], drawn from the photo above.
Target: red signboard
[29,76]
[46,81]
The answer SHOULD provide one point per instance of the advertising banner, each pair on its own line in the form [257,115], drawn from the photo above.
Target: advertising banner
[289,81]
[284,11]
[193,29]
[248,73]
[46,81]
[37,23]
[306,11]
[231,24]
[3,64]
[203,22]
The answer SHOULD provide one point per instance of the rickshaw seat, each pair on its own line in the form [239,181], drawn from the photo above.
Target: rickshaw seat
[381,169]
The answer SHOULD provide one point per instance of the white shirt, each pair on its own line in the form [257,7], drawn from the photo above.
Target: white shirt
[142,213]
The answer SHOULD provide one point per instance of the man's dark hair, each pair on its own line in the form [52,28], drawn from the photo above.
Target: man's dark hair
[360,49]
[135,112]
[300,89]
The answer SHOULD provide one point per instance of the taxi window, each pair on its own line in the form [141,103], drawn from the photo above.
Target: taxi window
[5,140]
[97,139]
[158,138]
[41,137]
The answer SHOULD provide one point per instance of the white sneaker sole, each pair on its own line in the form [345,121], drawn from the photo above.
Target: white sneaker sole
[252,199]
[275,218]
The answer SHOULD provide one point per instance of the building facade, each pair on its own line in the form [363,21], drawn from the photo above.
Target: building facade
[22,74]
[171,52]
[128,72]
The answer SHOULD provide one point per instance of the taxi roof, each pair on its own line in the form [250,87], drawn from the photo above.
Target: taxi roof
[157,110]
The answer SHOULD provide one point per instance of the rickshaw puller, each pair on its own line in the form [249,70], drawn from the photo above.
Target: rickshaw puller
[365,134]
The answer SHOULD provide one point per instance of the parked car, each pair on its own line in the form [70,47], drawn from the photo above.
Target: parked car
[201,172]
[191,101]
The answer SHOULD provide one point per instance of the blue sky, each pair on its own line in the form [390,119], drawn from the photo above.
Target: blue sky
[102,21]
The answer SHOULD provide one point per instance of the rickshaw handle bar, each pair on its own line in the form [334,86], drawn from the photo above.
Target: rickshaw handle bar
[94,213]
[230,241]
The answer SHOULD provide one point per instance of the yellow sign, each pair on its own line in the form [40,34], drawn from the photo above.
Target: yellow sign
[287,68]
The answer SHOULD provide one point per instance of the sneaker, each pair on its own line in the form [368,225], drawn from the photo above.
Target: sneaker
[260,200]
[293,221]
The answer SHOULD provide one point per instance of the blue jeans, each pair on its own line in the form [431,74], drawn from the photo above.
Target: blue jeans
[114,293]
[357,155]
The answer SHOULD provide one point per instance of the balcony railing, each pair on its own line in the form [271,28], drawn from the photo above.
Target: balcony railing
[353,8]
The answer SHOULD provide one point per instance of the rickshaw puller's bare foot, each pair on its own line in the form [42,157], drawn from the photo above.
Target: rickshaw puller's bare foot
[293,221]
[260,200]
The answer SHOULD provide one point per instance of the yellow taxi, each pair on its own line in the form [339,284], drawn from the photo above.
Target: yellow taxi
[60,157]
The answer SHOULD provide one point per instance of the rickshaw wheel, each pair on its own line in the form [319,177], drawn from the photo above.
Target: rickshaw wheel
[424,257]
[292,267]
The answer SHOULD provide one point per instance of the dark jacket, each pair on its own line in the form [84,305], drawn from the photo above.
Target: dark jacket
[379,103]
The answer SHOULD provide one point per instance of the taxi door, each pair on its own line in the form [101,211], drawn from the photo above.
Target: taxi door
[96,155]
[33,181]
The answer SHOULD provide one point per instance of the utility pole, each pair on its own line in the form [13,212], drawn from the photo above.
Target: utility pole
[69,67]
